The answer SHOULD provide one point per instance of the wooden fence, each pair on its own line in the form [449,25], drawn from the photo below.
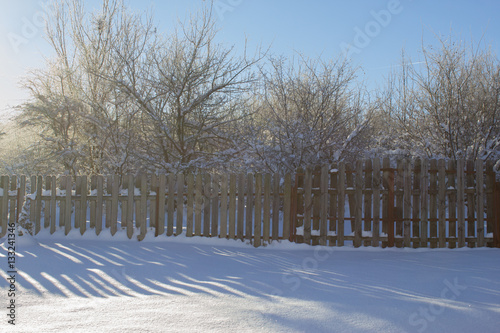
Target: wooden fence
[418,203]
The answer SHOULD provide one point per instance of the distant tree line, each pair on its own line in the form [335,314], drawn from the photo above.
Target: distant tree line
[119,96]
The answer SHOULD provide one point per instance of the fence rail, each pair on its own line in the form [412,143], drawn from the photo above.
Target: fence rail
[418,203]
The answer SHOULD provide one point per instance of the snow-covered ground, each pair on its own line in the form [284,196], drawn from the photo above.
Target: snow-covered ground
[177,284]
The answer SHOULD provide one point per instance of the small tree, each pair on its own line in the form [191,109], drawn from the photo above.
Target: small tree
[189,90]
[448,104]
[311,113]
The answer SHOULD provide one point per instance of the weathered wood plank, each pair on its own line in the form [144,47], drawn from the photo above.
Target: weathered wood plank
[78,204]
[250,204]
[143,206]
[198,208]
[241,206]
[471,204]
[452,203]
[46,210]
[368,200]
[376,203]
[83,205]
[33,187]
[276,207]
[333,205]
[461,202]
[180,204]
[107,200]
[417,169]
[424,203]
[323,226]
[287,201]
[266,208]
[130,207]
[99,203]
[115,189]
[93,187]
[258,210]
[223,205]
[433,205]
[307,205]
[67,202]
[4,209]
[358,218]
[399,195]
[490,200]
[407,204]
[152,204]
[442,202]
[53,207]
[341,204]
[388,202]
[480,202]
[170,204]
[160,217]
[38,202]
[207,190]
[214,201]
[189,203]
[232,206]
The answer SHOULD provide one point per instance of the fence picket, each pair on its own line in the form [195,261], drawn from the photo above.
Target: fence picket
[308,203]
[83,205]
[407,204]
[287,203]
[223,206]
[189,203]
[53,205]
[376,203]
[46,202]
[258,211]
[471,204]
[198,208]
[232,206]
[433,214]
[276,207]
[249,207]
[442,203]
[416,203]
[323,226]
[452,204]
[358,217]
[99,203]
[160,202]
[341,204]
[180,204]
[266,208]
[241,206]
[4,206]
[368,199]
[115,188]
[480,202]
[460,203]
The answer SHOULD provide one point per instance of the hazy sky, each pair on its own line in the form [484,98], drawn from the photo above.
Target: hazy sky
[374,32]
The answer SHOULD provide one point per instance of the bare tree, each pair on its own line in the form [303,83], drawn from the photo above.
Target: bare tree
[88,124]
[189,90]
[448,104]
[312,113]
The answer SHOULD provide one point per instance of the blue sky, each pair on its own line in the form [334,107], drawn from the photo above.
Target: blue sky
[376,30]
